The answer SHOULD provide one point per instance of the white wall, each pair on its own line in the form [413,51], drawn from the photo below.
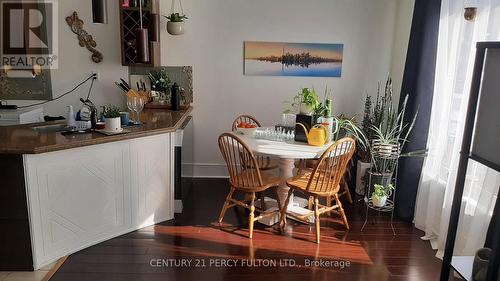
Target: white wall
[404,16]
[213,44]
[75,63]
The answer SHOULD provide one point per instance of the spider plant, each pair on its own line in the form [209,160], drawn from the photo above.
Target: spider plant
[348,127]
[389,132]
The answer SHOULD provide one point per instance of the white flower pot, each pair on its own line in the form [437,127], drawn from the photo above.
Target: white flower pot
[175,28]
[113,124]
[361,169]
[305,109]
[379,201]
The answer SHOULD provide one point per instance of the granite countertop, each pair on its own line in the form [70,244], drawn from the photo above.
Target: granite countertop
[23,139]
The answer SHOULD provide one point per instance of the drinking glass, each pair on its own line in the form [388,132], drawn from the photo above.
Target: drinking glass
[137,106]
[130,106]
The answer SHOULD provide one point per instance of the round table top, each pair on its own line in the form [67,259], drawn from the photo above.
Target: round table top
[285,150]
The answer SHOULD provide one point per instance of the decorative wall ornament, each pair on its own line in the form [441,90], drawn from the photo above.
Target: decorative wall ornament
[84,39]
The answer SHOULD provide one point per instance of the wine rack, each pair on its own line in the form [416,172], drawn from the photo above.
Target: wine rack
[129,22]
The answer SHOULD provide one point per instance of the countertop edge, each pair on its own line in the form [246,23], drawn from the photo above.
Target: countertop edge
[109,139]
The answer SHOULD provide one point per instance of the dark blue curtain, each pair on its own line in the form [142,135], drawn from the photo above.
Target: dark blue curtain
[418,82]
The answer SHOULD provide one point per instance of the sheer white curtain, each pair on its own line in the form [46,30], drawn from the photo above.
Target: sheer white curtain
[455,60]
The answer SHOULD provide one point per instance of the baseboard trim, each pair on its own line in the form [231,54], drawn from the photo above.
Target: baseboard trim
[204,170]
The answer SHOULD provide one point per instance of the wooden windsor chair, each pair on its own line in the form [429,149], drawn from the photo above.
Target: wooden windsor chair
[239,158]
[265,163]
[322,181]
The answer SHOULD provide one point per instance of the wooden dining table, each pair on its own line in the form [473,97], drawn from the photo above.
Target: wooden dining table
[287,153]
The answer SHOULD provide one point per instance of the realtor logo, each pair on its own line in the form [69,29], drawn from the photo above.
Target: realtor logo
[29,34]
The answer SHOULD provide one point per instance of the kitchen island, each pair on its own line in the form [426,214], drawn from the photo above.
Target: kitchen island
[62,193]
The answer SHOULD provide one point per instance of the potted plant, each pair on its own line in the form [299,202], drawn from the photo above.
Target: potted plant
[175,24]
[305,102]
[380,194]
[160,83]
[309,101]
[364,159]
[388,133]
[112,118]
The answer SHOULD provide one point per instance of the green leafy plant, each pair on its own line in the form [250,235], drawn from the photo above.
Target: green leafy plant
[159,80]
[111,111]
[382,191]
[366,128]
[306,96]
[176,17]
[367,122]
[309,97]
[320,109]
[387,130]
[345,127]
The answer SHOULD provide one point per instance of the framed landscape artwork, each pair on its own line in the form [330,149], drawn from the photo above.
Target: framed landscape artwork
[293,59]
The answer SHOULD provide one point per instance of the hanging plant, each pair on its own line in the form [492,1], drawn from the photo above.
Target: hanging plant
[175,24]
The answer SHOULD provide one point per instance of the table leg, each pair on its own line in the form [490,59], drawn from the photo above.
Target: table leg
[286,171]
[295,205]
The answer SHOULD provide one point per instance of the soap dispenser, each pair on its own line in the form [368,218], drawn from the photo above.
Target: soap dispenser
[71,118]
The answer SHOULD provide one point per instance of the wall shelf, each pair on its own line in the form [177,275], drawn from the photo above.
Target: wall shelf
[129,22]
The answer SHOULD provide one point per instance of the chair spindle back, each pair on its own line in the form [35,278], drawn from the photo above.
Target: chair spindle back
[331,167]
[245,118]
[239,158]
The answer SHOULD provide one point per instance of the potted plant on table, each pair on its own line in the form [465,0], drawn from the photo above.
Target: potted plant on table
[380,194]
[112,118]
[175,24]
[309,101]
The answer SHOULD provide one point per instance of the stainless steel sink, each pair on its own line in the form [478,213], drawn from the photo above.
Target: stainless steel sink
[50,128]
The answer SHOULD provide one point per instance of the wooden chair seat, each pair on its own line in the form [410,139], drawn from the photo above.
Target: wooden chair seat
[300,183]
[268,181]
[309,164]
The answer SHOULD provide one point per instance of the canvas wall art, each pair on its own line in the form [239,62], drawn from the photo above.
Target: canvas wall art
[293,59]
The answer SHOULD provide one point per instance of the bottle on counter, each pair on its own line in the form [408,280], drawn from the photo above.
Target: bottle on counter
[175,97]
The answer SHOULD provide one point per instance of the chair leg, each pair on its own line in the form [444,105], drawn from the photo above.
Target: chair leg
[310,203]
[279,204]
[252,215]
[284,209]
[341,212]
[328,204]
[345,187]
[316,218]
[226,204]
[262,201]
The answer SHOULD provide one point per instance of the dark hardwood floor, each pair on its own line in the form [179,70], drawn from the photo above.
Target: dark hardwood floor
[194,237]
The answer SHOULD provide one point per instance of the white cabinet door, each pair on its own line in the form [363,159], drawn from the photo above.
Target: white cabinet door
[152,179]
